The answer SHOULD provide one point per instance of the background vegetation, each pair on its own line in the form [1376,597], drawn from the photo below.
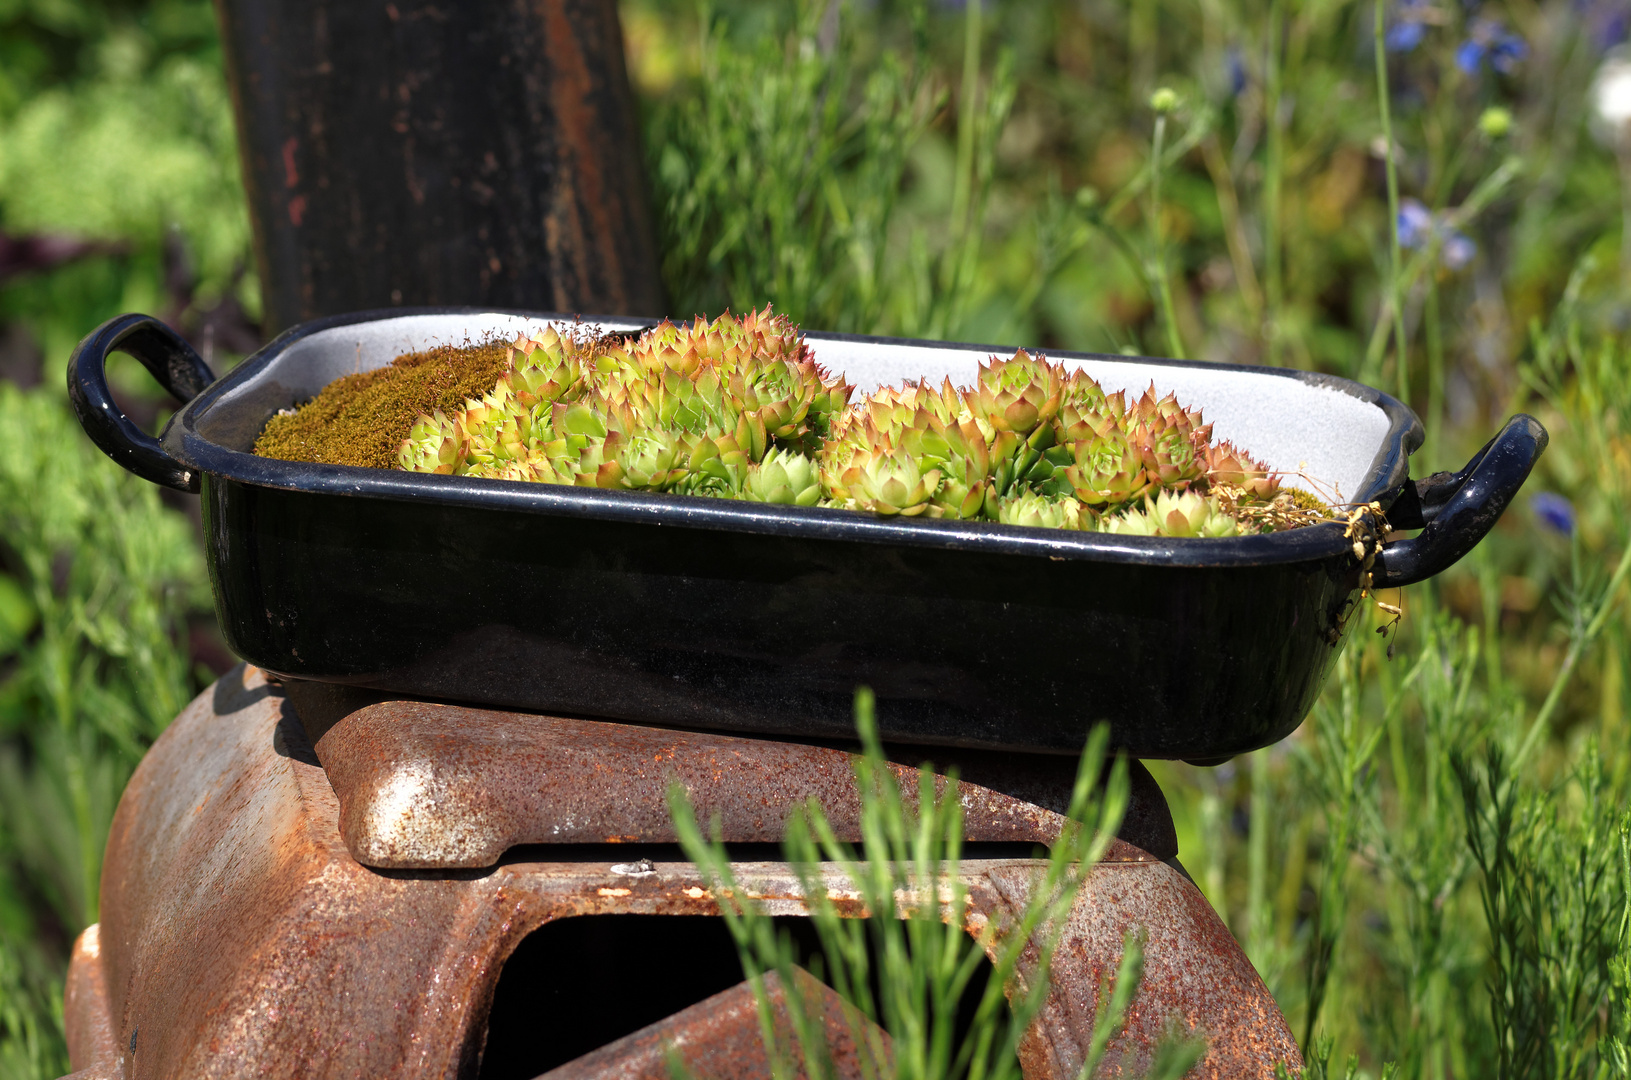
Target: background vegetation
[1433,872]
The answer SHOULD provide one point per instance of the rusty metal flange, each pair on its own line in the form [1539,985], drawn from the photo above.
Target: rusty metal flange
[432,786]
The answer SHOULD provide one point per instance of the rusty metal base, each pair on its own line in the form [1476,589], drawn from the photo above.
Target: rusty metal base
[240,937]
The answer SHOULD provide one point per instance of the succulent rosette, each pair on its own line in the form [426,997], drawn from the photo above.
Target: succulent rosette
[676,402]
[887,481]
[546,367]
[648,460]
[785,478]
[1226,464]
[1082,395]
[857,436]
[537,468]
[1170,438]
[1178,514]
[962,454]
[727,344]
[774,399]
[1042,512]
[1020,394]
[432,446]
[1107,472]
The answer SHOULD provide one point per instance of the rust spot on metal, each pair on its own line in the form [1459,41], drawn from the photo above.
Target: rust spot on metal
[291,175]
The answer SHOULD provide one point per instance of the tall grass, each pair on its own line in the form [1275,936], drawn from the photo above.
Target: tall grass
[781,174]
[909,966]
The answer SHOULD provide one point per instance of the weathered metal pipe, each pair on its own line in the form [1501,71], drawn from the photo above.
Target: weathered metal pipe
[418,153]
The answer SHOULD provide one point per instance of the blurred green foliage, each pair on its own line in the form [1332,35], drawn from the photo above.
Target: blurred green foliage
[98,579]
[116,128]
[1432,874]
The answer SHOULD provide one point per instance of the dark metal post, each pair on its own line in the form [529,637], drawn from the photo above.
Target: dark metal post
[481,152]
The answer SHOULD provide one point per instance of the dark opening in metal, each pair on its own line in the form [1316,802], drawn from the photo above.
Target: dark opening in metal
[576,984]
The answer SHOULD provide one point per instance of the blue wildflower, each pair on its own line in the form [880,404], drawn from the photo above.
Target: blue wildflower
[1554,511]
[1419,227]
[1488,42]
[1415,224]
[1457,251]
[1235,64]
[1409,26]
[1404,36]
[1508,52]
[1607,21]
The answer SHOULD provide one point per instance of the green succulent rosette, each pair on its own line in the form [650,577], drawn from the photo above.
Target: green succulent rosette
[1044,512]
[1176,514]
[1107,473]
[1019,395]
[432,446]
[784,478]
[888,481]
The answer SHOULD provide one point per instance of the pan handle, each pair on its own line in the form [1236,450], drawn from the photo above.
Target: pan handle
[168,359]
[1456,510]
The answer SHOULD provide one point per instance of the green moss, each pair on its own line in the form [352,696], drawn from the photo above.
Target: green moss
[362,419]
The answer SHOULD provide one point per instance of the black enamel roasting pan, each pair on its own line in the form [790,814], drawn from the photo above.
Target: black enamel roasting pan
[717,614]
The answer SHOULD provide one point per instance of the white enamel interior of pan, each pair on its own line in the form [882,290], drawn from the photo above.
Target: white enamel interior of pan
[344,350]
[1318,437]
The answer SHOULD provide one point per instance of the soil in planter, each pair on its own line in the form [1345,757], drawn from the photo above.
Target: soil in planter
[362,419]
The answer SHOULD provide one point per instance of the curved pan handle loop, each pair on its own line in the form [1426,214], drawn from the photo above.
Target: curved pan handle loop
[1456,510]
[169,359]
